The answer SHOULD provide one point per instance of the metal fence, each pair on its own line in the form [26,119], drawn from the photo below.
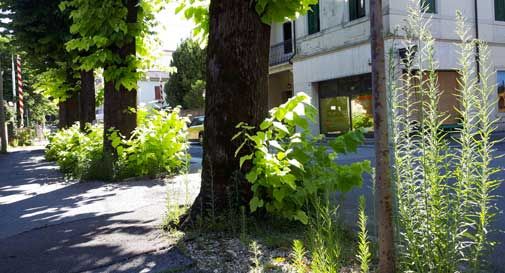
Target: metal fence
[281,53]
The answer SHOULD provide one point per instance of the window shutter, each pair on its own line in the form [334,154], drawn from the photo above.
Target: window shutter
[356,9]
[313,19]
[361,8]
[157,93]
[288,40]
[353,8]
[499,10]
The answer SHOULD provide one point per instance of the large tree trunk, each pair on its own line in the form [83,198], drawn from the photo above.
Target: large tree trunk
[120,105]
[87,99]
[382,156]
[3,128]
[69,111]
[237,90]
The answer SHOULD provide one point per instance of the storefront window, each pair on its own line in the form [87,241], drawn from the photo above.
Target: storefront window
[346,104]
[335,115]
[501,91]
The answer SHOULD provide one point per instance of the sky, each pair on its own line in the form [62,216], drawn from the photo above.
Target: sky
[173,28]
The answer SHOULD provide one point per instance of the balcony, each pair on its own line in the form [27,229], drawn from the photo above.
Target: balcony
[281,53]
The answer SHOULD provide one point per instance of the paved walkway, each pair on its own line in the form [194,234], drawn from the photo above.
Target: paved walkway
[48,224]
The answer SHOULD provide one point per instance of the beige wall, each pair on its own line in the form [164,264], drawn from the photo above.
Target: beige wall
[279,84]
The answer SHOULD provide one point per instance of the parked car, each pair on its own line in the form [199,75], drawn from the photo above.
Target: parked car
[195,130]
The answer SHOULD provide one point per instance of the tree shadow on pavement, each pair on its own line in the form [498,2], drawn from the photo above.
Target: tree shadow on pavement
[95,244]
[49,224]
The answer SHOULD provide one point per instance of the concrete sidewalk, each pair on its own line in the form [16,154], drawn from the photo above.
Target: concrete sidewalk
[48,224]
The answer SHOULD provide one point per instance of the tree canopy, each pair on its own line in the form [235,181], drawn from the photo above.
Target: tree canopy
[101,27]
[270,11]
[39,29]
[181,88]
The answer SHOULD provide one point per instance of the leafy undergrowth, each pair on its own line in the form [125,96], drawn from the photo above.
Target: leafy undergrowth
[158,146]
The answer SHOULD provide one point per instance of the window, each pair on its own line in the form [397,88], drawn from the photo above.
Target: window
[313,18]
[356,9]
[157,93]
[430,5]
[288,37]
[501,91]
[499,10]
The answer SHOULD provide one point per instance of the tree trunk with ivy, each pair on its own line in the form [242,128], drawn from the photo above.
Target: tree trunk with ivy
[383,187]
[87,102]
[236,91]
[120,103]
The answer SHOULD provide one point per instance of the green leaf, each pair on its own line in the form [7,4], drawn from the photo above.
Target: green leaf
[279,194]
[280,126]
[296,163]
[245,158]
[302,217]
[276,145]
[240,148]
[255,203]
[252,176]
[290,180]
[265,124]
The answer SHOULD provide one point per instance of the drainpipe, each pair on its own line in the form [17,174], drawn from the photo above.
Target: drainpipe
[477,48]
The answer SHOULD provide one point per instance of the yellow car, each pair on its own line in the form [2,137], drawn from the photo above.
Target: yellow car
[195,130]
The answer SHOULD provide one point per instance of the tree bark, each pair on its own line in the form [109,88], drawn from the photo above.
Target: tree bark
[69,111]
[87,99]
[120,104]
[236,91]
[3,128]
[382,155]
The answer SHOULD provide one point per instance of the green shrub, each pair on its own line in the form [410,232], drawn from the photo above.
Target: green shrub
[290,166]
[76,153]
[23,137]
[159,145]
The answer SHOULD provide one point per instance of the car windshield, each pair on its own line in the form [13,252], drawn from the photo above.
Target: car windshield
[197,121]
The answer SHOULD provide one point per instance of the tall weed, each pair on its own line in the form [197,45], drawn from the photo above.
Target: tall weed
[443,188]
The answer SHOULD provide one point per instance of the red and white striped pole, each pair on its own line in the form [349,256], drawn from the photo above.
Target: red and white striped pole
[20,91]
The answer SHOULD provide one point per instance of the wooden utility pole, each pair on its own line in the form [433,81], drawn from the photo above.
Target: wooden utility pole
[383,189]
[3,129]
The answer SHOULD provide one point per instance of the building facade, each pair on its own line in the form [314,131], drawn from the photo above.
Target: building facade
[150,89]
[326,54]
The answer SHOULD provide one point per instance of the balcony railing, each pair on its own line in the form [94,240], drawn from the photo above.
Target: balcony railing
[281,53]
